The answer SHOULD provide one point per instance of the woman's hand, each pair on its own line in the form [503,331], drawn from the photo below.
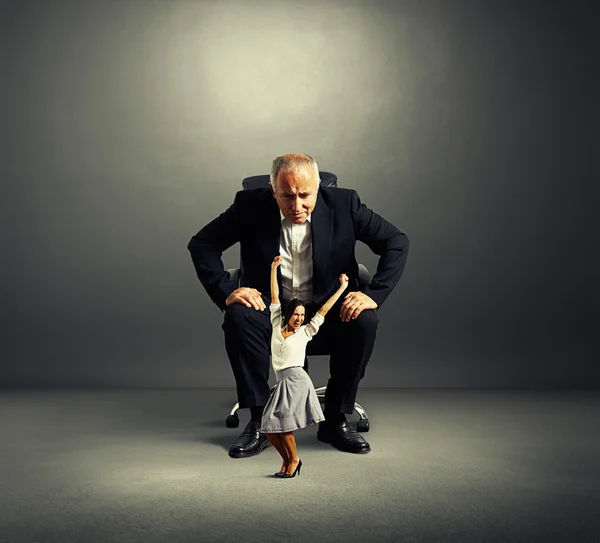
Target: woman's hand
[344,280]
[276,261]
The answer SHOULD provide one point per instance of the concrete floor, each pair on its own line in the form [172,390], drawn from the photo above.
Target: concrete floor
[151,465]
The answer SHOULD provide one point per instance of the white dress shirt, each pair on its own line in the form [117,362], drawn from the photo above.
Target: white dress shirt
[295,248]
[291,351]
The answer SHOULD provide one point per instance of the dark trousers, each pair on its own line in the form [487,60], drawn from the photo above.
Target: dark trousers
[349,344]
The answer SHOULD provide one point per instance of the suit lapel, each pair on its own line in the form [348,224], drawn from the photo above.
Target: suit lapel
[322,231]
[272,234]
[321,226]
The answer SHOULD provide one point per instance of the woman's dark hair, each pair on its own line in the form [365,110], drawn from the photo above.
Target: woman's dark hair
[289,310]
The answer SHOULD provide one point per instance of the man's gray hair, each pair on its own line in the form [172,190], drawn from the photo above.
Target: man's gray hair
[291,163]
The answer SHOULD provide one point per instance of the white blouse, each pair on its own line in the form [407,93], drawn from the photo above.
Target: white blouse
[291,351]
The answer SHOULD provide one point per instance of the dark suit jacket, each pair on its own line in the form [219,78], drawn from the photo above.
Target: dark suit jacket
[338,220]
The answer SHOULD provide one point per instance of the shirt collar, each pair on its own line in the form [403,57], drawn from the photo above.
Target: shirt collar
[308,219]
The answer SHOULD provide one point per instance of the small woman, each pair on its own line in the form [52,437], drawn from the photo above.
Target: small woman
[293,403]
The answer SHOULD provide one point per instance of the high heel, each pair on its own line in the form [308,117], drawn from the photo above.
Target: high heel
[297,470]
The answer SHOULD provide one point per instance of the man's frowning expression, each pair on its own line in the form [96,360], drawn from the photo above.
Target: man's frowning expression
[296,193]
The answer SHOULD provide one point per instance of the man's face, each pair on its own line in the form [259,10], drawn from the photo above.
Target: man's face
[296,193]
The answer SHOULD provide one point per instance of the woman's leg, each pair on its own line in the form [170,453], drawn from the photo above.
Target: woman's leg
[276,441]
[290,445]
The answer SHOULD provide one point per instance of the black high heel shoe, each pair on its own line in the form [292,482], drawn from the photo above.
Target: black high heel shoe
[288,475]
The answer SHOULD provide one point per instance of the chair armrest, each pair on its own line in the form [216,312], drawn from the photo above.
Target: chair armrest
[234,274]
[364,277]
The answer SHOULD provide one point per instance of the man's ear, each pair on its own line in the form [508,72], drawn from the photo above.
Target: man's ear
[272,189]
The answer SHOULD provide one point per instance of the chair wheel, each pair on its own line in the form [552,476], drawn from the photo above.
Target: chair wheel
[233,421]
[362,425]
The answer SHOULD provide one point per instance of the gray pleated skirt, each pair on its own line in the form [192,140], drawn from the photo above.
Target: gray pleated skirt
[293,404]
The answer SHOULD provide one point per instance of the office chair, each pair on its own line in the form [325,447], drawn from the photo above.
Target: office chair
[328,179]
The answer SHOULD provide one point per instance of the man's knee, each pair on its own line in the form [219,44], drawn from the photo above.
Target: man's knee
[240,317]
[235,313]
[366,322]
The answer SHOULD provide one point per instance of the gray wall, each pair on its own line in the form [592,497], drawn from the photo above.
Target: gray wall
[130,124]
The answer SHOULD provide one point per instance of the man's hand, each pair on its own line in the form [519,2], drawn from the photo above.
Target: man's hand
[353,305]
[250,297]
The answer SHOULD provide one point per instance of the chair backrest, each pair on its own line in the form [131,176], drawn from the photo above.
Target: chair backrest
[328,179]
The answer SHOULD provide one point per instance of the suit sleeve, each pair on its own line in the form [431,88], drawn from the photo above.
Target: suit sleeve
[206,249]
[386,241]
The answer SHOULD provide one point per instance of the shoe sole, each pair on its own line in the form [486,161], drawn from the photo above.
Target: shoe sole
[248,454]
[343,449]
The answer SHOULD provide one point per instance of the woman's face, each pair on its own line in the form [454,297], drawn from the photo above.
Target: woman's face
[297,318]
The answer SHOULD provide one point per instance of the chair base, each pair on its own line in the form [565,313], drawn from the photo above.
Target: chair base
[233,420]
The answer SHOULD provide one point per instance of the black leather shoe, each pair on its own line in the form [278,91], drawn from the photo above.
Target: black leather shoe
[250,443]
[343,437]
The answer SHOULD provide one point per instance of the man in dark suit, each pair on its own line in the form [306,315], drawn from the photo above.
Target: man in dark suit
[315,230]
